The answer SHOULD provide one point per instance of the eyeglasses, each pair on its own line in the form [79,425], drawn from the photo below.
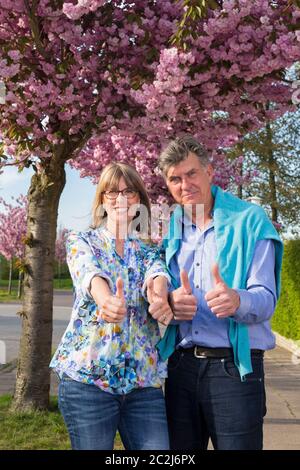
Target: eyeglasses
[128,193]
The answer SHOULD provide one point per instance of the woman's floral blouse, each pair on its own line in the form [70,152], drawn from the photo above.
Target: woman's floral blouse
[115,357]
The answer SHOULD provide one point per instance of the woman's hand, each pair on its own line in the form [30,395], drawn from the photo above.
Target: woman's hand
[157,294]
[112,307]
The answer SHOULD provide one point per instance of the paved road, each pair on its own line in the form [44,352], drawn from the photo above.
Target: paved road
[282,423]
[10,322]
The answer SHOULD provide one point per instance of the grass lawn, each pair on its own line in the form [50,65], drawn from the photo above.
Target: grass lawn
[34,431]
[5,297]
[38,430]
[63,284]
[4,284]
[58,284]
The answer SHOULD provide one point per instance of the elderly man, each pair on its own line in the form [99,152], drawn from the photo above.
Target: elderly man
[224,257]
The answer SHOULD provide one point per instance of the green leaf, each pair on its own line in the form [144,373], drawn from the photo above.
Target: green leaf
[195,11]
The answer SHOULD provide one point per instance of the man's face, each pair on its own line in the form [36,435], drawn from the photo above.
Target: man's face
[189,182]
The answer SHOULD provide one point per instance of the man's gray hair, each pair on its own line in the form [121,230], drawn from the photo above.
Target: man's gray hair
[178,150]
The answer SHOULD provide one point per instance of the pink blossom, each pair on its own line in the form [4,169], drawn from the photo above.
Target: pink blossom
[113,86]
[60,245]
[13,228]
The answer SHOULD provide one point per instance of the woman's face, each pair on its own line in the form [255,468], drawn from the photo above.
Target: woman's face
[118,204]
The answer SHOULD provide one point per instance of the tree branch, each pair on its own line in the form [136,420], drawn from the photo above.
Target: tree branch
[35,29]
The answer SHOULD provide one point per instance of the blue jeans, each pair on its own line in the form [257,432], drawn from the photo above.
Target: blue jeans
[93,417]
[205,398]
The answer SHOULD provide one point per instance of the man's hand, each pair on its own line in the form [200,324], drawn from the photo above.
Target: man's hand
[183,302]
[113,308]
[157,294]
[222,300]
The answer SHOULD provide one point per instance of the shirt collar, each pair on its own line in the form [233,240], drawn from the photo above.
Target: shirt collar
[187,221]
[134,235]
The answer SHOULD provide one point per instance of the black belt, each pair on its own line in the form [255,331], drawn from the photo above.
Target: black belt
[202,352]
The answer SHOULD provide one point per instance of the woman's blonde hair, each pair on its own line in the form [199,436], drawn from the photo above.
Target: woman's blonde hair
[109,180]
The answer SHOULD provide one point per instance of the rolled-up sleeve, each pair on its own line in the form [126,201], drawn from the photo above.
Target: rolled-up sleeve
[155,266]
[83,264]
[258,300]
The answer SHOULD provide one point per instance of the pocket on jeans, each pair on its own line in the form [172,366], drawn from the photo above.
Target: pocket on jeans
[66,378]
[62,386]
[232,371]
[175,360]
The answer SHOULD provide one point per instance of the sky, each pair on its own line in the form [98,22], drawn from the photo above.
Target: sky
[76,200]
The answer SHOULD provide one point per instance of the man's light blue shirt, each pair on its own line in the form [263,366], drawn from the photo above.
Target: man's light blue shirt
[257,303]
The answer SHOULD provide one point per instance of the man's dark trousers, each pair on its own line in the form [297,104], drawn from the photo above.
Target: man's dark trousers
[205,399]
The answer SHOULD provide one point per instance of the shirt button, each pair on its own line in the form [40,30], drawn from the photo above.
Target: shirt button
[196,332]
[197,264]
[197,287]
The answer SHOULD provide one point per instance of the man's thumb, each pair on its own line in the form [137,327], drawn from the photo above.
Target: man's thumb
[185,282]
[119,291]
[216,274]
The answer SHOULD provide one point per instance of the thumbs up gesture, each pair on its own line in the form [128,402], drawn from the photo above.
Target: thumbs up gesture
[119,289]
[185,283]
[183,302]
[157,294]
[222,300]
[113,309]
[151,294]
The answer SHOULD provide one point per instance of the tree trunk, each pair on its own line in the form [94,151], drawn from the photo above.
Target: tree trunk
[33,374]
[240,186]
[20,284]
[271,170]
[240,151]
[10,276]
[59,272]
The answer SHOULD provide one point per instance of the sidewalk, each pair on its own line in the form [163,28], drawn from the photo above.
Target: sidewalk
[282,422]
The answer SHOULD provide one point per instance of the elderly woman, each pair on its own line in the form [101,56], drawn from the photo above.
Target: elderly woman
[110,373]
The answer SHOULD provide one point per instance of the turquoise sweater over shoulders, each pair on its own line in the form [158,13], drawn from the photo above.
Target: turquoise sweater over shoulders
[238,225]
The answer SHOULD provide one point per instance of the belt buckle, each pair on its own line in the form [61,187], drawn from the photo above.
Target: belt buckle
[199,356]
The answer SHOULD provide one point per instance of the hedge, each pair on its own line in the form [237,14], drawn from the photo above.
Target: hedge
[286,319]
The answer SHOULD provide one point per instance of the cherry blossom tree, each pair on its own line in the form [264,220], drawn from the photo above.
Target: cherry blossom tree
[217,90]
[60,248]
[143,154]
[60,244]
[12,234]
[76,72]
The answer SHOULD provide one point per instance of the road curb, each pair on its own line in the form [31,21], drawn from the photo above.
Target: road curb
[288,344]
